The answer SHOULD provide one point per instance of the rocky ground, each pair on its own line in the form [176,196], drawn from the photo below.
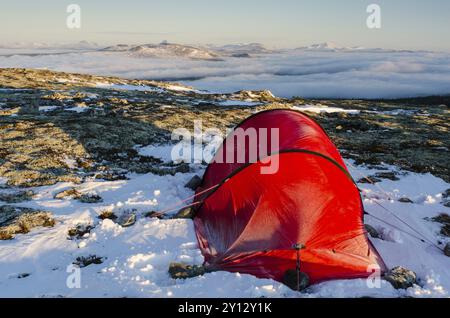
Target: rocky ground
[59,127]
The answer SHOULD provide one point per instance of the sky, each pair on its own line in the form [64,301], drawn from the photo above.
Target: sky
[406,24]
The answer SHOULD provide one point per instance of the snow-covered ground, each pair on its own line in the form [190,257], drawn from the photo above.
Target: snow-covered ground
[136,258]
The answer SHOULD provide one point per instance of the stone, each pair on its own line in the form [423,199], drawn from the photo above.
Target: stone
[290,280]
[127,219]
[16,197]
[107,215]
[185,213]
[17,220]
[194,183]
[372,231]
[184,271]
[79,231]
[154,214]
[401,278]
[405,200]
[90,198]
[84,261]
[447,250]
[69,193]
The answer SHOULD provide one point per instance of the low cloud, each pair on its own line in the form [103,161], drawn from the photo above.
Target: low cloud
[354,74]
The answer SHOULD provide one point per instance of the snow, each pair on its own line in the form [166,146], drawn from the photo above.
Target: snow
[319,108]
[77,109]
[47,108]
[128,87]
[136,258]
[179,88]
[238,103]
[163,152]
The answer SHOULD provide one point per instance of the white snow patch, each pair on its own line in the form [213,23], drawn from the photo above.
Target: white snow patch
[47,108]
[319,108]
[238,103]
[136,258]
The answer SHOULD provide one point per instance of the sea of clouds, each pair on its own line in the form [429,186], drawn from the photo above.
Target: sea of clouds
[310,74]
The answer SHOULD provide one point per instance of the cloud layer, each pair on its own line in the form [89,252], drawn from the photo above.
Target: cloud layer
[325,74]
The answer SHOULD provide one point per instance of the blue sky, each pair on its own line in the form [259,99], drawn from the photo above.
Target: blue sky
[412,24]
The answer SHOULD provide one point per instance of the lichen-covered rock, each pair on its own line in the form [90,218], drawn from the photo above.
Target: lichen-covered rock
[17,220]
[183,271]
[69,193]
[444,219]
[84,261]
[107,214]
[185,213]
[401,278]
[90,198]
[16,196]
[128,218]
[80,231]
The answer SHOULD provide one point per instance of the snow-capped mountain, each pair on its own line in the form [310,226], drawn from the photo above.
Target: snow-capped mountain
[241,49]
[164,50]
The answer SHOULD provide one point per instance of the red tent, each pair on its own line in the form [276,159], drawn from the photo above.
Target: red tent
[250,222]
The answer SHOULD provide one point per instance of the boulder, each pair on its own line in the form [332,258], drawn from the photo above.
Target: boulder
[194,183]
[401,278]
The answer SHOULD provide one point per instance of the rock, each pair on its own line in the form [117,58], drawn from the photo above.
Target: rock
[23,275]
[79,231]
[405,200]
[401,278]
[372,231]
[290,280]
[17,220]
[387,175]
[183,271]
[371,179]
[69,193]
[194,183]
[90,198]
[154,214]
[84,261]
[16,197]
[447,249]
[127,219]
[444,219]
[107,215]
[185,213]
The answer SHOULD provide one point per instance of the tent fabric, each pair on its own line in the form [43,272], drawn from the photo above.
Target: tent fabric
[250,222]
